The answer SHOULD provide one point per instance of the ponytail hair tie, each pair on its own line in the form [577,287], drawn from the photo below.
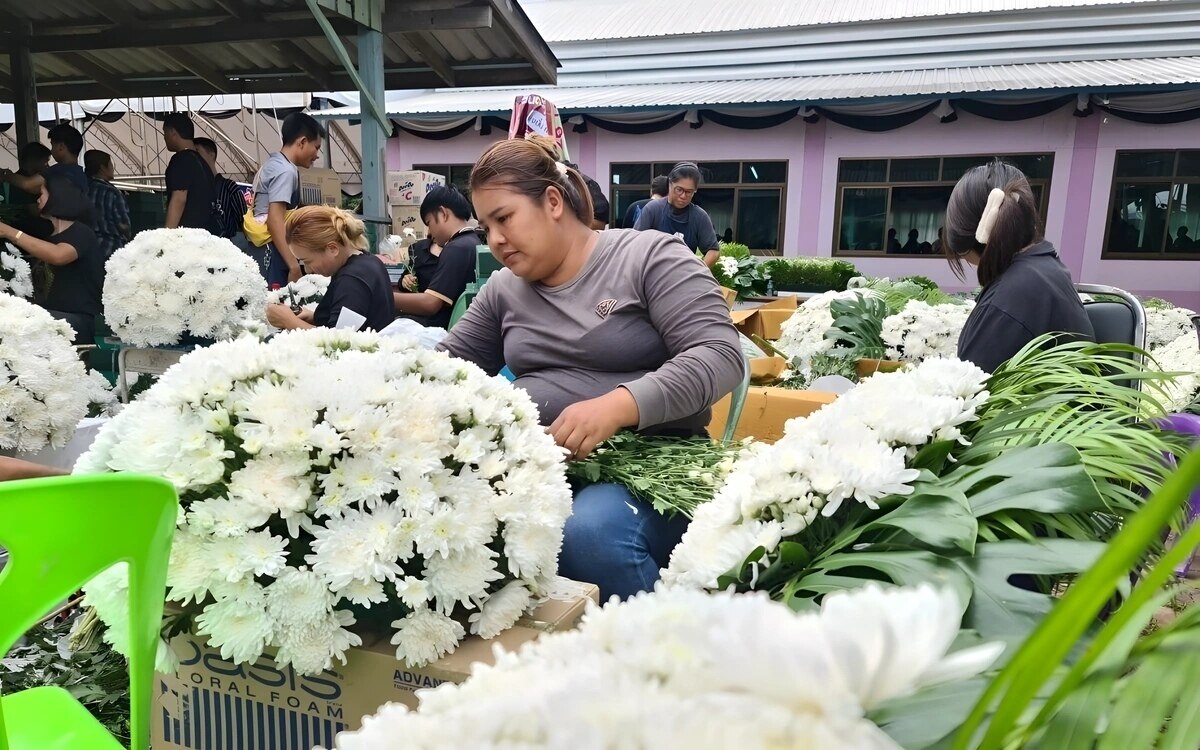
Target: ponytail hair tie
[562,168]
[990,212]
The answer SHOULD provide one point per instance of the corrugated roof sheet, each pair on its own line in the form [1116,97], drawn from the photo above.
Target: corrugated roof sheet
[585,20]
[942,82]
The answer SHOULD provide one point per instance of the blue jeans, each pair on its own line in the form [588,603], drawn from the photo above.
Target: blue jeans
[616,541]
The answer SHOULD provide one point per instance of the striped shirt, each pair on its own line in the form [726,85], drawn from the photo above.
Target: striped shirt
[229,206]
[112,212]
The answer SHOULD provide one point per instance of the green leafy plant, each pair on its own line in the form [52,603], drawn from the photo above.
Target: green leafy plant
[737,269]
[857,327]
[1121,692]
[815,274]
[93,674]
[897,294]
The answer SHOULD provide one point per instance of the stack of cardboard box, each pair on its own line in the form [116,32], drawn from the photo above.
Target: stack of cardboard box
[405,191]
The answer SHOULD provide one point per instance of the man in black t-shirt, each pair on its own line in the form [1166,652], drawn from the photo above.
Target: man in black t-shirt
[446,213]
[190,182]
[658,189]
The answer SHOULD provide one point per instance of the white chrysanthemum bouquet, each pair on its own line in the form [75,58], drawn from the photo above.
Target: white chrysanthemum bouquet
[1181,356]
[803,334]
[1165,323]
[921,330]
[15,275]
[307,292]
[169,285]
[45,390]
[327,469]
[681,669]
[854,450]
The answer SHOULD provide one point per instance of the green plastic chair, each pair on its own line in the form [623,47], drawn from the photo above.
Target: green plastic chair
[60,533]
[462,303]
[737,402]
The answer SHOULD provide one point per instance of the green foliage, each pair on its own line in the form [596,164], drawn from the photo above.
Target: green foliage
[897,294]
[816,273]
[96,676]
[751,277]
[1121,692]
[832,362]
[734,250]
[1156,303]
[857,327]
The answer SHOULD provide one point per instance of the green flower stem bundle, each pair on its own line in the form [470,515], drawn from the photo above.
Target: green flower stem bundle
[675,475]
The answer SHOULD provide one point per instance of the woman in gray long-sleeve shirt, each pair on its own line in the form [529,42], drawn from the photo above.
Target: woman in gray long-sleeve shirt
[605,330]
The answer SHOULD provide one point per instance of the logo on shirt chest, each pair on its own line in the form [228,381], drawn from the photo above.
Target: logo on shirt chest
[604,308]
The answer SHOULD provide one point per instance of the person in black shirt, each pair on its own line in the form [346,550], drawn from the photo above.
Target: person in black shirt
[992,223]
[190,185]
[330,242]
[423,256]
[658,189]
[445,212]
[33,159]
[74,252]
[65,144]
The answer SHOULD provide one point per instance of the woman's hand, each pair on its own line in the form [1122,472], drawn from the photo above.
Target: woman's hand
[306,314]
[281,316]
[584,425]
[409,282]
[7,233]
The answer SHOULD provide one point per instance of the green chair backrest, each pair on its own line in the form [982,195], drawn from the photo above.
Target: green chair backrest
[737,402]
[462,303]
[485,263]
[60,533]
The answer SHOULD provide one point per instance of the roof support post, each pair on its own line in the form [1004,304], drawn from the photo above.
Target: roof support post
[24,86]
[374,131]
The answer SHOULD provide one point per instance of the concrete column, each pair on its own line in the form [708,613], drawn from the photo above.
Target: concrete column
[374,138]
[24,86]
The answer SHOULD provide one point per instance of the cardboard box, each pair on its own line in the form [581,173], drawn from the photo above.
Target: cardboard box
[729,295]
[765,321]
[867,367]
[212,704]
[766,411]
[410,188]
[766,369]
[408,217]
[320,187]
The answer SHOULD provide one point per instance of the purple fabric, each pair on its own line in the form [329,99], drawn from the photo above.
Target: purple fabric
[1185,424]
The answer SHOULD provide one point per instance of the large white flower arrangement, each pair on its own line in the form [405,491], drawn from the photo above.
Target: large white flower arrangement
[853,450]
[921,330]
[167,284]
[681,669]
[15,275]
[1165,324]
[1180,356]
[326,468]
[307,291]
[44,388]
[803,334]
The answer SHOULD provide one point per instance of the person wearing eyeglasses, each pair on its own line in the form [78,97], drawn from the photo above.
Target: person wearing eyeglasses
[677,214]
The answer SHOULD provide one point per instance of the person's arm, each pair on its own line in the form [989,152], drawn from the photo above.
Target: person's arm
[276,221]
[706,237]
[31,184]
[689,312]
[175,206]
[121,212]
[14,468]
[477,337]
[282,317]
[56,254]
[417,303]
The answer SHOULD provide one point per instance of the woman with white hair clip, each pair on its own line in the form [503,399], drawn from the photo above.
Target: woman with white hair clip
[992,223]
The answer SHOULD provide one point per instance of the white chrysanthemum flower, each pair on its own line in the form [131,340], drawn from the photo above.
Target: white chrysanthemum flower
[15,275]
[345,452]
[239,627]
[424,635]
[1166,324]
[168,283]
[686,669]
[1181,356]
[803,334]
[45,390]
[307,292]
[921,331]
[501,610]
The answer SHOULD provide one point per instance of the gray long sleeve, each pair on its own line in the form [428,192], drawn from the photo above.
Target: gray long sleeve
[643,313]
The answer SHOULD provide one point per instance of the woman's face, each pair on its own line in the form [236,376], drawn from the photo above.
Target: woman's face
[325,261]
[681,193]
[524,234]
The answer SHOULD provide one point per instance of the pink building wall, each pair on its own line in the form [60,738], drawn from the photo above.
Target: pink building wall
[1084,154]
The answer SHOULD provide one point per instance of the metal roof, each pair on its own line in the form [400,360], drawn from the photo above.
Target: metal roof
[588,20]
[1089,75]
[133,48]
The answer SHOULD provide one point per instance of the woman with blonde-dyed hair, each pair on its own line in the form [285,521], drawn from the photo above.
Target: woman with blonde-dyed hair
[332,242]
